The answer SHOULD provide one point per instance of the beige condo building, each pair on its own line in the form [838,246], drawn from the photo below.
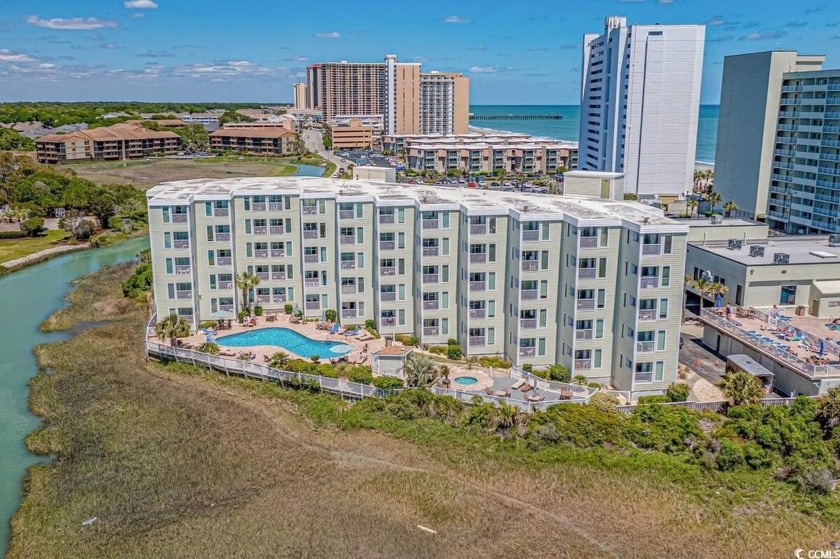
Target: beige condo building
[595,285]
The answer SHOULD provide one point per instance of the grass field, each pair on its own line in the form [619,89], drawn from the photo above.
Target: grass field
[148,172]
[180,462]
[10,249]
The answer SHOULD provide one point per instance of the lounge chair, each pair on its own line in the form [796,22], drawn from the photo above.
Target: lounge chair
[351,333]
[334,329]
[362,358]
[502,393]
[535,397]
[518,384]
[227,354]
[526,388]
[365,337]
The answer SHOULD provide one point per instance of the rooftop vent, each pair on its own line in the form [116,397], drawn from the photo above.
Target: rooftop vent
[735,244]
[756,251]
[834,240]
[781,258]
[716,219]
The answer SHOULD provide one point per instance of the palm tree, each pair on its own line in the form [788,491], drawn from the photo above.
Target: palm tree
[508,415]
[444,372]
[580,380]
[173,327]
[730,207]
[828,410]
[419,370]
[246,281]
[692,207]
[279,360]
[741,388]
[714,199]
[470,361]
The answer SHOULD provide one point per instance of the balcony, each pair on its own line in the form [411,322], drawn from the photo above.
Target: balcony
[183,270]
[644,347]
[183,294]
[346,214]
[529,294]
[225,285]
[278,253]
[223,236]
[278,276]
[530,265]
[309,210]
[527,351]
[385,219]
[258,207]
[651,249]
[528,323]
[263,275]
[387,271]
[261,230]
[263,298]
[387,245]
[276,230]
[478,286]
[530,235]
[589,242]
[480,229]
[388,296]
[181,243]
[180,218]
[583,364]
[431,330]
[347,239]
[348,313]
[262,253]
[313,305]
[430,223]
[649,283]
[310,258]
[310,234]
[221,212]
[647,314]
[587,273]
[585,304]
[477,340]
[275,206]
[312,282]
[431,305]
[348,264]
[431,251]
[387,321]
[348,289]
[478,313]
[224,261]
[431,278]
[227,308]
[586,334]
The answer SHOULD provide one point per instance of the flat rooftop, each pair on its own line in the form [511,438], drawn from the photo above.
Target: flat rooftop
[727,221]
[802,250]
[595,211]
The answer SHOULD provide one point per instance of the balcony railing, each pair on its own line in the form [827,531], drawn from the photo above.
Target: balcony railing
[181,244]
[527,351]
[278,276]
[479,229]
[261,230]
[585,304]
[180,218]
[586,334]
[279,298]
[587,273]
[478,313]
[478,340]
[310,258]
[528,323]
[431,330]
[348,264]
[346,214]
[651,249]
[228,308]
[530,235]
[278,253]
[347,239]
[276,230]
[225,285]
[309,210]
[310,234]
[224,261]
[431,278]
[263,275]
[530,265]
[588,242]
[645,346]
[275,206]
[478,286]
[258,207]
[431,251]
[313,305]
[387,296]
[312,282]
[583,364]
[430,223]
[183,294]
[263,298]
[348,313]
[387,245]
[648,283]
[529,294]
[647,314]
[431,305]
[221,212]
[183,270]
[348,289]
[388,321]
[262,253]
[478,257]
[387,271]
[384,219]
[222,236]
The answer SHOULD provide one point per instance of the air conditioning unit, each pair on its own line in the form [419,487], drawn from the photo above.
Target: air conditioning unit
[834,240]
[756,250]
[781,258]
[716,219]
[735,244]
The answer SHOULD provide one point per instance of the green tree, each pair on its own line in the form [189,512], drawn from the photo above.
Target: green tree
[419,370]
[714,199]
[33,226]
[730,207]
[630,196]
[828,410]
[279,360]
[692,207]
[172,328]
[102,206]
[194,137]
[246,281]
[209,347]
[740,388]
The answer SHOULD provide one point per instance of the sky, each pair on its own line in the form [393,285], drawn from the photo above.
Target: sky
[254,50]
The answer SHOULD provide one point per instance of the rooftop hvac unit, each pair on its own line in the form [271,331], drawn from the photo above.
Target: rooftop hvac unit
[716,219]
[735,244]
[834,240]
[756,250]
[781,258]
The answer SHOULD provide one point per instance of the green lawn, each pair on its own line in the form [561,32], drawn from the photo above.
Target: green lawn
[10,249]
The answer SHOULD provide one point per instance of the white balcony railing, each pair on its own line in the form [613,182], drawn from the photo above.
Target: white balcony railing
[585,304]
[647,314]
[587,273]
[183,270]
[225,285]
[388,296]
[181,243]
[313,305]
[278,253]
[387,271]
[258,207]
[530,235]
[585,334]
[310,258]
[651,249]
[529,294]
[228,308]
[528,323]
[348,289]
[183,294]
[262,253]
[263,275]
[348,313]
[276,230]
[223,237]
[263,298]
[478,286]
[479,229]
[527,351]
[385,219]
[430,223]
[645,346]
[478,313]
[387,245]
[431,278]
[431,330]
[347,239]
[648,283]
[221,212]
[431,305]
[275,206]
[278,276]
[260,230]
[346,214]
[431,251]
[530,265]
[388,321]
[478,340]
[312,282]
[478,257]
[310,234]
[348,264]
[588,242]
[309,210]
[224,261]
[583,364]
[179,218]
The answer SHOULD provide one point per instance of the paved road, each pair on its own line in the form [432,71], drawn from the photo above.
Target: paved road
[313,140]
[694,351]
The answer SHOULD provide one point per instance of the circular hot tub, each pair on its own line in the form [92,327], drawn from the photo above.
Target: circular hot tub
[466,381]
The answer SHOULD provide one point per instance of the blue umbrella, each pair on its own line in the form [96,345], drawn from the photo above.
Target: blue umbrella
[719,300]
[822,347]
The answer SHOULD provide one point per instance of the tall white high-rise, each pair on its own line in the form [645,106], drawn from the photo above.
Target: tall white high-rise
[640,102]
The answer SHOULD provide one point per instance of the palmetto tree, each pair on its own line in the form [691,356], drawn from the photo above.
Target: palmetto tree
[741,388]
[509,416]
[714,199]
[692,207]
[246,281]
[419,370]
[279,360]
[730,207]
[172,327]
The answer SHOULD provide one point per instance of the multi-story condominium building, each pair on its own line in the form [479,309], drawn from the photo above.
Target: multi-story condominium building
[640,101]
[409,101]
[128,140]
[484,153]
[351,134]
[264,140]
[301,96]
[593,284]
[209,120]
[780,121]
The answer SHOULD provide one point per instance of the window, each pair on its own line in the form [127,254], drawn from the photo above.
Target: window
[167,240]
[788,295]
[659,373]
[401,219]
[602,295]
[599,328]
[597,363]
[644,372]
[660,340]
[602,267]
[666,276]
[663,308]
[668,244]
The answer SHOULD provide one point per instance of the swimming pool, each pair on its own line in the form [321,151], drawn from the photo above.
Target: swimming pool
[466,380]
[285,339]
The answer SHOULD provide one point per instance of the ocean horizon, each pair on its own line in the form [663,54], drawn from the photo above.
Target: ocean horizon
[566,128]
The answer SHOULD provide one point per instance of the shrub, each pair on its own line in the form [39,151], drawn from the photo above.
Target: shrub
[528,368]
[453,352]
[12,234]
[33,226]
[494,361]
[301,366]
[330,315]
[451,341]
[327,370]
[258,310]
[413,341]
[657,399]
[819,480]
[209,347]
[288,308]
[603,401]
[387,383]
[361,374]
[438,349]
[559,373]
[594,385]
[730,456]
[139,283]
[243,314]
[315,358]
[677,392]
[580,380]
[206,324]
[370,324]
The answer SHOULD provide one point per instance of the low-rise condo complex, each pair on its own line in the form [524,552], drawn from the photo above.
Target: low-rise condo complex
[593,284]
[262,140]
[128,140]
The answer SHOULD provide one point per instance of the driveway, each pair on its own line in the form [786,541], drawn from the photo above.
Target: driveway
[698,357]
[314,142]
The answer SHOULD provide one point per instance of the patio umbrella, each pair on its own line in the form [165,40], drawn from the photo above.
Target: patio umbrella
[719,300]
[297,309]
[222,315]
[822,347]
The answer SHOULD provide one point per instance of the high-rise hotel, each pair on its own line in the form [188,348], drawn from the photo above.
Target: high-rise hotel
[640,102]
[593,284]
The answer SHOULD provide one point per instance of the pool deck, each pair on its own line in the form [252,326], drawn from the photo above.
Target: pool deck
[308,329]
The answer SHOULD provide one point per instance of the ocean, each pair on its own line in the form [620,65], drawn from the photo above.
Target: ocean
[567,127]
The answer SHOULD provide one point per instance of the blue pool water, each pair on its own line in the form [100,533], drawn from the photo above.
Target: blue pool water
[466,380]
[285,339]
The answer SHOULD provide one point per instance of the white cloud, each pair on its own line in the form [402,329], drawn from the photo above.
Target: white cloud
[75,23]
[330,35]
[10,56]
[483,69]
[140,4]
[456,19]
